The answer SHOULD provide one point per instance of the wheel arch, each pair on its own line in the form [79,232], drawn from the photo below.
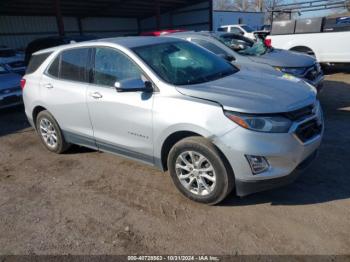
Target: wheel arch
[36,112]
[303,49]
[175,137]
[169,142]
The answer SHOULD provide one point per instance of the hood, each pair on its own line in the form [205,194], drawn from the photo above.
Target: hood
[284,58]
[249,92]
[257,68]
[9,80]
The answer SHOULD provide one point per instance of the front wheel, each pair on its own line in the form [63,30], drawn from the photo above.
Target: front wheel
[200,171]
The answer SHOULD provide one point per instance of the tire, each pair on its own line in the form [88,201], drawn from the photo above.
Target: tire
[209,187]
[53,140]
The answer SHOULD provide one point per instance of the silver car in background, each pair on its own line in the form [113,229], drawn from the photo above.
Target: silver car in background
[174,105]
[248,53]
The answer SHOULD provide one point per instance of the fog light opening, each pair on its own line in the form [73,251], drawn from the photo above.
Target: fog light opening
[258,164]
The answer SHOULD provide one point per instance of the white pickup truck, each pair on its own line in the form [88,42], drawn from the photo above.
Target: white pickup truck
[332,47]
[328,46]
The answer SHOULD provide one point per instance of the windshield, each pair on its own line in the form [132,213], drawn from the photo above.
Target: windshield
[248,29]
[183,63]
[245,46]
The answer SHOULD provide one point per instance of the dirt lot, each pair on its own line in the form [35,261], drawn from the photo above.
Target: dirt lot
[86,202]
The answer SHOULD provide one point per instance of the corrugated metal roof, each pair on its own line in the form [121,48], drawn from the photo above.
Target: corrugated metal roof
[86,8]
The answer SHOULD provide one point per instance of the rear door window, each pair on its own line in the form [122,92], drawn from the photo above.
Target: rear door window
[36,61]
[74,64]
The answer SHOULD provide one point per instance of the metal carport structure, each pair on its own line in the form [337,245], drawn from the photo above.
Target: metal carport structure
[23,18]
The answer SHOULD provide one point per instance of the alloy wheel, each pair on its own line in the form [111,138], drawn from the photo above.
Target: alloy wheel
[195,173]
[48,133]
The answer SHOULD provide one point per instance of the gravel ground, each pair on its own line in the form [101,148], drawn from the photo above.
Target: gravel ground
[86,202]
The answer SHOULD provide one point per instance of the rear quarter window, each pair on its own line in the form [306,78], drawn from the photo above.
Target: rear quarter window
[35,62]
[54,67]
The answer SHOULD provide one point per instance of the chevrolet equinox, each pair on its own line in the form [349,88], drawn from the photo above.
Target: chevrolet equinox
[179,107]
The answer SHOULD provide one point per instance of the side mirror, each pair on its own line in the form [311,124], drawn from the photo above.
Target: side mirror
[133,85]
[227,57]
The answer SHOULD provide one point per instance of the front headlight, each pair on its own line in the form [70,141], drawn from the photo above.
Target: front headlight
[292,70]
[269,124]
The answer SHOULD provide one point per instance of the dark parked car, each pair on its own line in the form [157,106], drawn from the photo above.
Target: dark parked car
[10,90]
[51,41]
[12,60]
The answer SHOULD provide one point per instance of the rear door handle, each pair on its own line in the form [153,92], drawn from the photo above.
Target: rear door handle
[96,95]
[48,86]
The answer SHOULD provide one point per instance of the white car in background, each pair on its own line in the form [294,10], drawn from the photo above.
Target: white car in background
[239,29]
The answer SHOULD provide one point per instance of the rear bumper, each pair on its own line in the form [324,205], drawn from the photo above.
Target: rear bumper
[244,188]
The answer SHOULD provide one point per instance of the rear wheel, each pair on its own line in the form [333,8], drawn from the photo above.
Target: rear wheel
[50,133]
[200,171]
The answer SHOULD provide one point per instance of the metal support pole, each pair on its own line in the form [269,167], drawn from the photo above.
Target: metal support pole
[211,13]
[59,18]
[171,20]
[157,11]
[80,26]
[139,26]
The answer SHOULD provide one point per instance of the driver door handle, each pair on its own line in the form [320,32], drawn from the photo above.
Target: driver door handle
[96,95]
[48,86]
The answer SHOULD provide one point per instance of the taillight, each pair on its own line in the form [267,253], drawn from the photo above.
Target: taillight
[268,42]
[23,83]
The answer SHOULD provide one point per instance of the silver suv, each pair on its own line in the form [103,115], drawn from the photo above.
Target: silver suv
[171,104]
